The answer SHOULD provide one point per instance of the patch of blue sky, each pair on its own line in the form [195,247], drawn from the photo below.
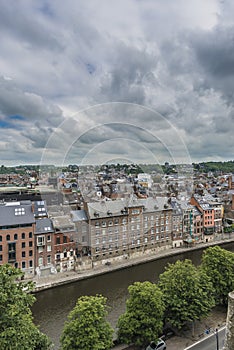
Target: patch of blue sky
[11,122]
[16,117]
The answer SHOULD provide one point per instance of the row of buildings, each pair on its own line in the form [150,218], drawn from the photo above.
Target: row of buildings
[45,238]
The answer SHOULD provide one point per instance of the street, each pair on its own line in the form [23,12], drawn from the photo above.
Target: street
[210,342]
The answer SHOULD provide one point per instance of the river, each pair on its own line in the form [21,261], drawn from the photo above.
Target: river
[53,305]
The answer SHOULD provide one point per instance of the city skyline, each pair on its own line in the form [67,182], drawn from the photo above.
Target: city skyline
[143,81]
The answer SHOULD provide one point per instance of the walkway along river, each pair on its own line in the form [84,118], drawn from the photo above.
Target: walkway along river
[53,305]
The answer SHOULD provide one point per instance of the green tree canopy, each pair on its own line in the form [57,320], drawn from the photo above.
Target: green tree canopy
[187,293]
[142,321]
[17,330]
[218,263]
[87,327]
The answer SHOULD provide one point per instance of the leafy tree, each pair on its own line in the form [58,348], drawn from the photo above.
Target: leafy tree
[187,293]
[142,320]
[87,327]
[17,330]
[218,263]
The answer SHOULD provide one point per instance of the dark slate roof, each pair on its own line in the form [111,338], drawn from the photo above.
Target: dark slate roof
[40,208]
[44,226]
[16,213]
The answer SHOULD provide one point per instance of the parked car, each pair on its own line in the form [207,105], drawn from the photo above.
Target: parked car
[159,345]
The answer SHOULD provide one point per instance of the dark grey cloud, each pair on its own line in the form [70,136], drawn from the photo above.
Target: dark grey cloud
[126,80]
[66,61]
[14,101]
[214,51]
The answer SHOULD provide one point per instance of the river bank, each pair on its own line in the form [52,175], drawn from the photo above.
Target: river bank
[52,281]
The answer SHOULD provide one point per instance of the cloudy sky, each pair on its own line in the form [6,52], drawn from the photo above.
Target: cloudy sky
[130,80]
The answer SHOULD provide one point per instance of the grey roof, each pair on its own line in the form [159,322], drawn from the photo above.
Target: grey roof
[44,225]
[63,223]
[117,207]
[79,215]
[155,204]
[16,213]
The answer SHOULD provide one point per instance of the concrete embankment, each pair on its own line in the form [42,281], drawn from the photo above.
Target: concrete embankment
[51,281]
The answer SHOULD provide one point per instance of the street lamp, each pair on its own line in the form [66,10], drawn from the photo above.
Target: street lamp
[217,338]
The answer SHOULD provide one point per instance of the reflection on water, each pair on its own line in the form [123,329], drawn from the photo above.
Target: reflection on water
[53,305]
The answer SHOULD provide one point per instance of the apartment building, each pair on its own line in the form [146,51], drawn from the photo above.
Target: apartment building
[187,223]
[127,226]
[212,213]
[17,227]
[64,242]
[44,247]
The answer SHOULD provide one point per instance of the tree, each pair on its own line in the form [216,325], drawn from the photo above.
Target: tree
[187,293]
[218,263]
[142,320]
[17,330]
[87,327]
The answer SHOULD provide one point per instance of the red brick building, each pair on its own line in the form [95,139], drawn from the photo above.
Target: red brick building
[17,227]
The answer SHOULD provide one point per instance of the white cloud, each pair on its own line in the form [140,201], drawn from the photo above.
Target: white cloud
[59,58]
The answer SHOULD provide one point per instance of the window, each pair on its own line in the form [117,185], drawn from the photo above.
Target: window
[83,239]
[0,257]
[30,252]
[136,211]
[49,259]
[23,264]
[23,245]
[57,240]
[23,254]
[64,239]
[23,235]
[0,238]
[15,236]
[49,248]
[40,261]
[0,248]
[40,249]
[30,263]
[40,240]
[19,211]
[30,235]
[30,243]
[11,252]
[8,237]
[47,228]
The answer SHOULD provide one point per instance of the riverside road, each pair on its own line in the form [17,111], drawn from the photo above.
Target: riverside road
[53,305]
